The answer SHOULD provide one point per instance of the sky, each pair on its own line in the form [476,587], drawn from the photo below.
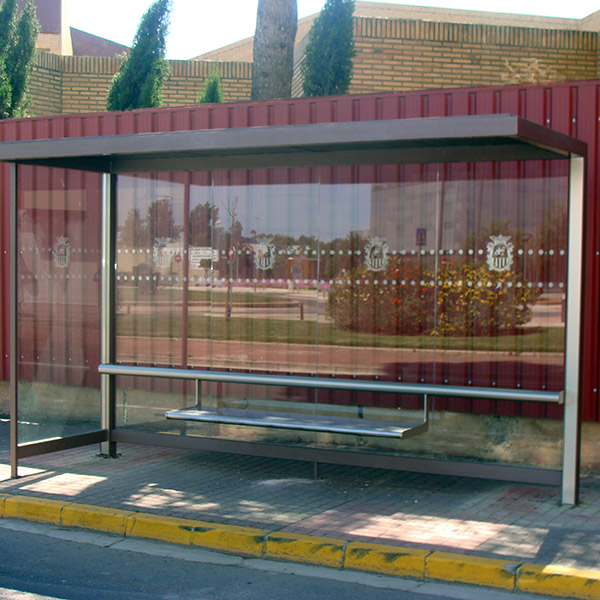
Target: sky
[198,26]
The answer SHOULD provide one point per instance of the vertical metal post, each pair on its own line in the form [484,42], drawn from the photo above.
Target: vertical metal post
[572,414]
[198,393]
[14,371]
[185,275]
[108,310]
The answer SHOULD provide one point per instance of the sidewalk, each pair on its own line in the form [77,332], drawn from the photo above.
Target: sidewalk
[479,518]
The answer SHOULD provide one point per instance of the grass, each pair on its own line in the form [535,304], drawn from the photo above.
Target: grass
[550,339]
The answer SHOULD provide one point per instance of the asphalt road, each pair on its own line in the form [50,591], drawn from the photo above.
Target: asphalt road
[41,562]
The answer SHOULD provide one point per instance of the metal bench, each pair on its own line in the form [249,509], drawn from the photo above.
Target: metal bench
[319,422]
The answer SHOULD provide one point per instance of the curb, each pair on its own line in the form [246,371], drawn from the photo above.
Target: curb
[421,564]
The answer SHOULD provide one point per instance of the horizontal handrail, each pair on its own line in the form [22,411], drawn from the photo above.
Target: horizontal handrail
[333,383]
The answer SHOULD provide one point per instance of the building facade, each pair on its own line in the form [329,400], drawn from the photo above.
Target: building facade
[398,49]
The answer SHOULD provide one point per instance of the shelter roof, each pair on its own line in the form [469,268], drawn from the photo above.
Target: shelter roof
[428,140]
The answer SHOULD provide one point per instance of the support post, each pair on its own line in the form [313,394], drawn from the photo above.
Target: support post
[108,311]
[185,274]
[572,405]
[198,393]
[14,347]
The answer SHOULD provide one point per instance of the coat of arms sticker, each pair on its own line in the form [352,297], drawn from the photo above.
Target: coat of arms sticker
[62,253]
[376,254]
[500,252]
[264,254]
[162,256]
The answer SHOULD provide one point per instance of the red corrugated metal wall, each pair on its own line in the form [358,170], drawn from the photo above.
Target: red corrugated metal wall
[571,108]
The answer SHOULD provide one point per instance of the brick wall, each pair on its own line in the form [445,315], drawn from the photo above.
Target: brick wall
[188,77]
[391,55]
[45,85]
[50,42]
[78,84]
[86,81]
[400,55]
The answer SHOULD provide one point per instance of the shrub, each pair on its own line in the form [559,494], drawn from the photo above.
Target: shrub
[213,91]
[464,299]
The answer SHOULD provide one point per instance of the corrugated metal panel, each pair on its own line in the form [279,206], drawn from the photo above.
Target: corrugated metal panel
[572,108]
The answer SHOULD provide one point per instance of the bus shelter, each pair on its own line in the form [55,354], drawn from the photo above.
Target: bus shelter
[313,292]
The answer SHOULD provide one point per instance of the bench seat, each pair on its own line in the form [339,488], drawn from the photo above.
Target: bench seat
[299,421]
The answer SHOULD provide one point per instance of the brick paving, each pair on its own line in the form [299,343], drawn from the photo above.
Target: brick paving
[484,518]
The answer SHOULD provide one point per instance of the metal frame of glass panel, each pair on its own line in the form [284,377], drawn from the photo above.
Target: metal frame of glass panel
[410,141]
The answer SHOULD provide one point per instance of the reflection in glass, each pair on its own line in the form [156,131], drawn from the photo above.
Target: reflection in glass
[449,274]
[58,303]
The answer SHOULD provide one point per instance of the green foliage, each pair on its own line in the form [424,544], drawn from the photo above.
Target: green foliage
[133,232]
[18,35]
[462,299]
[203,219]
[327,67]
[160,221]
[139,82]
[213,92]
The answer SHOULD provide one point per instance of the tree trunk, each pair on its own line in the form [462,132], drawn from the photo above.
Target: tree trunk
[276,25]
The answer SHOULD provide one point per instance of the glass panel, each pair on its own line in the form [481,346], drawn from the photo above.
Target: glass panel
[58,291]
[205,225]
[152,288]
[444,274]
[150,270]
[268,252]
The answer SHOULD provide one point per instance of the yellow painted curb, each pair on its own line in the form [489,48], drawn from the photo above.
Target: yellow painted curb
[559,581]
[471,569]
[392,560]
[156,527]
[109,520]
[244,540]
[3,498]
[305,548]
[33,509]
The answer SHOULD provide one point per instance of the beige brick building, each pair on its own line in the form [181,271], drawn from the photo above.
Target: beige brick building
[398,48]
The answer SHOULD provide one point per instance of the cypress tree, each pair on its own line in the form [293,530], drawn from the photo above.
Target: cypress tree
[18,35]
[19,59]
[213,92]
[327,66]
[139,82]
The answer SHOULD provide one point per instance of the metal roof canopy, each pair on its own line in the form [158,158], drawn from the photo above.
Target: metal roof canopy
[401,141]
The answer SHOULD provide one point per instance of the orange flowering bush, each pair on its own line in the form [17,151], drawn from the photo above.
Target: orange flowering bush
[407,298]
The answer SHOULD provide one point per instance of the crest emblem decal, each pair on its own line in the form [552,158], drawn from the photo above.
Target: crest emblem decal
[500,253]
[264,254]
[376,254]
[162,256]
[62,253]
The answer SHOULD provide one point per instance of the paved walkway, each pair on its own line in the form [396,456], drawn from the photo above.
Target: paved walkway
[454,514]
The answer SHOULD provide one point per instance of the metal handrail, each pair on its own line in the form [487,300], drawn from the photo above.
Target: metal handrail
[334,383]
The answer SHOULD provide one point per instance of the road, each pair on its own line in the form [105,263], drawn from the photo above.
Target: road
[42,562]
